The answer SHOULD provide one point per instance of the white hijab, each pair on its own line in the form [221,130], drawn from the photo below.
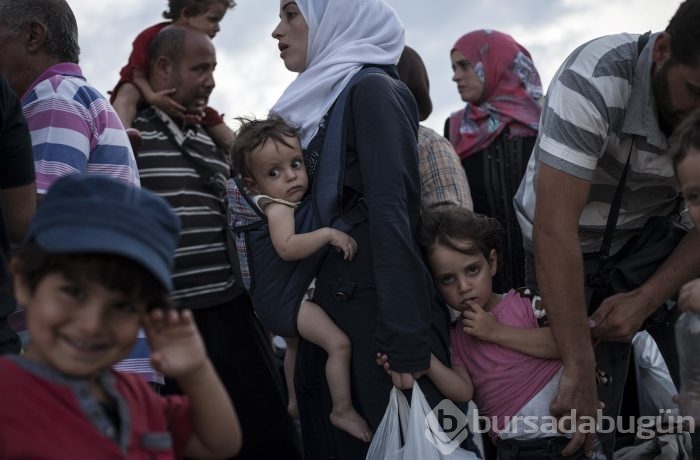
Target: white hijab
[343,35]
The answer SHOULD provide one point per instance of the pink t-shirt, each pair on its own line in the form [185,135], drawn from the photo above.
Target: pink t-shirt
[504,379]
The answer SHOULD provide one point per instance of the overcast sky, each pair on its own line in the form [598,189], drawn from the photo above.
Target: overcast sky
[250,76]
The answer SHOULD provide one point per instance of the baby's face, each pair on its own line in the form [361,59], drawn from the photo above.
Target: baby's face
[278,170]
[688,171]
[208,22]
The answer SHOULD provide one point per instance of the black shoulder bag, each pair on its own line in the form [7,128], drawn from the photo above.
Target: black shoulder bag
[639,258]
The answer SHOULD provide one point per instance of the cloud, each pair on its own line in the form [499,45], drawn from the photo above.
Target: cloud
[250,76]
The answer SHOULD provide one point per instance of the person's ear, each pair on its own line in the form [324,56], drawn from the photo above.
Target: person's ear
[163,68]
[35,37]
[21,291]
[185,14]
[661,52]
[493,262]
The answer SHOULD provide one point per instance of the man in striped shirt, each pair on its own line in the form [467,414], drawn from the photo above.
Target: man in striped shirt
[607,101]
[179,161]
[73,127]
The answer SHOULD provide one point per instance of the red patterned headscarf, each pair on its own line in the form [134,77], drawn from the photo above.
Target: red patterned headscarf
[512,92]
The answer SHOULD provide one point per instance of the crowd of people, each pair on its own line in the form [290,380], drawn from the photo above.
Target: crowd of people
[130,317]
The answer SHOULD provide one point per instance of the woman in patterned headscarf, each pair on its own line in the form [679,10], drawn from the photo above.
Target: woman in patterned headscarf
[384,298]
[495,132]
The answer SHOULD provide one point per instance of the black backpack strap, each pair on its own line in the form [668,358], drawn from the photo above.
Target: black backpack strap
[616,203]
[211,178]
[328,185]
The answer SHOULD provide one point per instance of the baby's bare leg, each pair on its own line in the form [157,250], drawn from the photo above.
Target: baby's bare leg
[316,327]
[290,356]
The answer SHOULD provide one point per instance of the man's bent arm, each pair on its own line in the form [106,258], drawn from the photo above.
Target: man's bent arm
[560,200]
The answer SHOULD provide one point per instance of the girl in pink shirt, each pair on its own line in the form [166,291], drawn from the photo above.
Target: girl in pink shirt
[500,355]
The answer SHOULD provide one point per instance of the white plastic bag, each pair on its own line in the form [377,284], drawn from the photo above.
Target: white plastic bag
[386,443]
[425,438]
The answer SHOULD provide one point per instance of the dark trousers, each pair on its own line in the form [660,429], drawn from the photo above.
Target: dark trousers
[614,357]
[355,312]
[242,356]
[536,449]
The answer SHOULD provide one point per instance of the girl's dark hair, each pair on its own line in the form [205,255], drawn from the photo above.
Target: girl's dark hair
[450,225]
[253,133]
[115,273]
[687,137]
[177,8]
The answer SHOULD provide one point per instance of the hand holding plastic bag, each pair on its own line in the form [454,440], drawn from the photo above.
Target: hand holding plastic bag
[425,438]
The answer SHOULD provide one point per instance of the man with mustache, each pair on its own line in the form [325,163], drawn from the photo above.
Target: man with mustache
[179,161]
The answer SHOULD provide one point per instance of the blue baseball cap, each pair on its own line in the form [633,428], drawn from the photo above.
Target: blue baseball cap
[95,214]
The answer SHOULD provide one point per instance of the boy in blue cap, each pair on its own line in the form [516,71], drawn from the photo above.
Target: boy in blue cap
[94,267]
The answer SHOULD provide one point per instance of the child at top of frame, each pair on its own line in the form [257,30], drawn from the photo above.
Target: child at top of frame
[96,265]
[500,354]
[133,86]
[685,153]
[268,157]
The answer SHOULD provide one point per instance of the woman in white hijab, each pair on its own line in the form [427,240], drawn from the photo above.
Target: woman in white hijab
[384,298]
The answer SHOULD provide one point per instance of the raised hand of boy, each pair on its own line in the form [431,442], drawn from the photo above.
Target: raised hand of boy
[177,350]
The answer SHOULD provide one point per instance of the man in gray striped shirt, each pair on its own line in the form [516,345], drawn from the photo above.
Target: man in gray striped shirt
[608,99]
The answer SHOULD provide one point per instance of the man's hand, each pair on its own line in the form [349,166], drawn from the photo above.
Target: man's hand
[577,395]
[619,317]
[177,349]
[689,296]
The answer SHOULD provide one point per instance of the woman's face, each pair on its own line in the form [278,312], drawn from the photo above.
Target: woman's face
[292,35]
[469,86]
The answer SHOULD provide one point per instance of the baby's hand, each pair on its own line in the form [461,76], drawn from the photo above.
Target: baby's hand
[163,100]
[177,349]
[689,296]
[478,322]
[343,242]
